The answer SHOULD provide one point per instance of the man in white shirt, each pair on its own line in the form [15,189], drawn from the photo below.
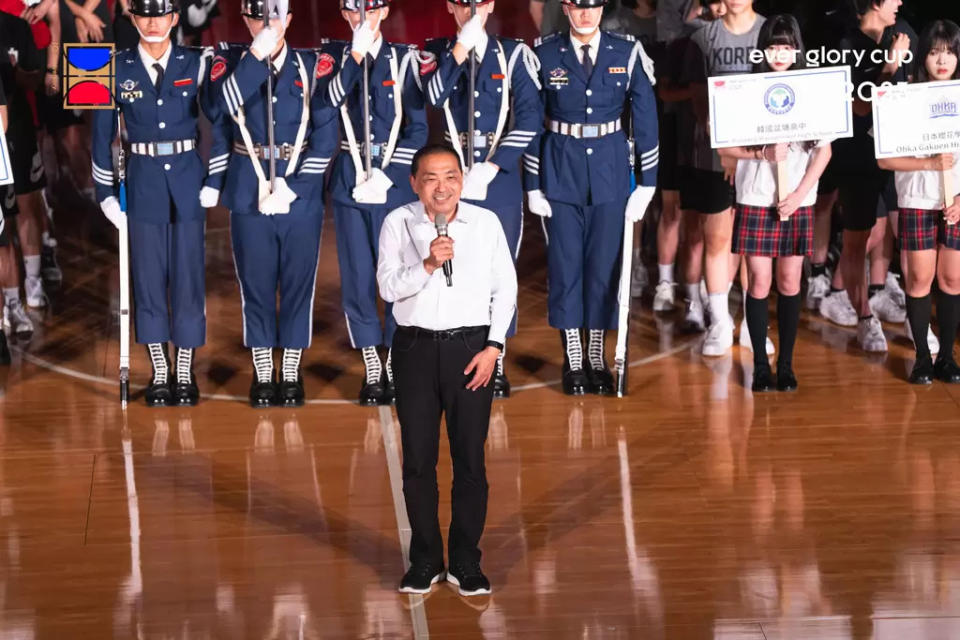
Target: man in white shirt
[450,331]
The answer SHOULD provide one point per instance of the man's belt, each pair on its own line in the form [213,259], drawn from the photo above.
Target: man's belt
[583,130]
[480,140]
[443,334]
[262,151]
[376,149]
[166,148]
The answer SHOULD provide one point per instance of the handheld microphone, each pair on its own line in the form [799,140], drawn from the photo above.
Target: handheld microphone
[440,221]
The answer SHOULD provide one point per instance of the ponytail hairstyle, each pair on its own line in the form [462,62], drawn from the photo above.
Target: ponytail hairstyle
[942,34]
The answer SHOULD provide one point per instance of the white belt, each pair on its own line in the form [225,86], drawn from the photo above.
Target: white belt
[584,130]
[166,148]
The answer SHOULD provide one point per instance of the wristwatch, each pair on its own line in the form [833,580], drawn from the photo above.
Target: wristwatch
[495,345]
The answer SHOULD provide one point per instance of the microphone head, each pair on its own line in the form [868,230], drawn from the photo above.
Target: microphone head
[440,221]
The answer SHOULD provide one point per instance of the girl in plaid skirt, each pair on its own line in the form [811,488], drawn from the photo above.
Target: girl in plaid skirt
[929,234]
[764,228]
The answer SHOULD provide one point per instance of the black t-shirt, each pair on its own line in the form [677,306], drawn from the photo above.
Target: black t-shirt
[16,41]
[856,155]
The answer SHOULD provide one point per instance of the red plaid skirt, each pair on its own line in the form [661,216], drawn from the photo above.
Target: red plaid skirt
[758,231]
[922,229]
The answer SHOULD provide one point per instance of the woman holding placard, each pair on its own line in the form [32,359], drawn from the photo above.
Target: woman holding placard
[764,228]
[929,233]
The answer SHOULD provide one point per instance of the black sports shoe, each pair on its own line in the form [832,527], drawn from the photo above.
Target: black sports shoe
[946,370]
[501,386]
[470,579]
[186,395]
[762,379]
[923,372]
[786,381]
[263,394]
[600,381]
[291,392]
[420,577]
[4,349]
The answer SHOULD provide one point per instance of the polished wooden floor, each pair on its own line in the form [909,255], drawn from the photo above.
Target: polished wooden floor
[690,509]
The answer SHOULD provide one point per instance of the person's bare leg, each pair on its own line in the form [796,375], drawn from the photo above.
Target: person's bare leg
[29,230]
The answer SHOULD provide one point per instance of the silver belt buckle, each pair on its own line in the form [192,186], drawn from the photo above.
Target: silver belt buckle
[164,148]
[590,131]
[479,141]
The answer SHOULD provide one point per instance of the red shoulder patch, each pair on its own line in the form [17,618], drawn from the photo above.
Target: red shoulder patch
[324,65]
[218,68]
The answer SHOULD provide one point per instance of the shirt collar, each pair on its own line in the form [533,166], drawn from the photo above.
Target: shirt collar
[420,213]
[375,47]
[281,58]
[149,60]
[594,43]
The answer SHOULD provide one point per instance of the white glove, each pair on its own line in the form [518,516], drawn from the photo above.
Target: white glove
[374,190]
[196,16]
[538,204]
[209,197]
[279,201]
[471,33]
[363,39]
[265,42]
[638,203]
[111,209]
[477,180]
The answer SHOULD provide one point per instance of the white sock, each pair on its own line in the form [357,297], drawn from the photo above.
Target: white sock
[719,307]
[31,265]
[666,272]
[693,292]
[13,293]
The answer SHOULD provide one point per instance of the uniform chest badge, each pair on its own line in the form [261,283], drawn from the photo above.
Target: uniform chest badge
[297,83]
[324,65]
[558,78]
[616,69]
[218,68]
[497,76]
[129,90]
[128,84]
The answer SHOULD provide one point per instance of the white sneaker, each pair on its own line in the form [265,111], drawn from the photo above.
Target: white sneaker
[663,298]
[693,317]
[933,343]
[746,343]
[15,318]
[639,280]
[837,309]
[35,295]
[886,309]
[719,339]
[870,335]
[892,285]
[817,289]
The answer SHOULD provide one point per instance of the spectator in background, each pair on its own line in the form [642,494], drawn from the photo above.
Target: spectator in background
[548,16]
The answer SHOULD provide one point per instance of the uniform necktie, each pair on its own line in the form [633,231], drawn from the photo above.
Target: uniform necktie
[159,81]
[587,61]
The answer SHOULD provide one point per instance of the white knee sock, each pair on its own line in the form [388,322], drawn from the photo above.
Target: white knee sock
[719,307]
[31,265]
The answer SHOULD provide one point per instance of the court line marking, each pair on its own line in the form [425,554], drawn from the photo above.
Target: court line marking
[418,612]
[86,377]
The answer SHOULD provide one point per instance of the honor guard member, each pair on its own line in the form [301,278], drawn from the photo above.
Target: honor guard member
[157,87]
[398,128]
[508,114]
[579,178]
[275,228]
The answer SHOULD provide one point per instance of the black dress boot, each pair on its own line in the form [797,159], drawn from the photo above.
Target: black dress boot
[575,381]
[263,388]
[158,393]
[185,391]
[501,386]
[598,373]
[291,386]
[373,390]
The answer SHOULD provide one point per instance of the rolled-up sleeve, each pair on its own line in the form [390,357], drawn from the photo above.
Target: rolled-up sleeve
[396,279]
[503,288]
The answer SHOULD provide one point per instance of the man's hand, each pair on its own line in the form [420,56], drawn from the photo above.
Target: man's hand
[941,162]
[477,180]
[471,33]
[441,250]
[483,365]
[373,190]
[111,209]
[639,201]
[898,52]
[209,197]
[363,39]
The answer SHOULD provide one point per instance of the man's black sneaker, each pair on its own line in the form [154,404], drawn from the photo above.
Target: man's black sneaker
[470,579]
[420,577]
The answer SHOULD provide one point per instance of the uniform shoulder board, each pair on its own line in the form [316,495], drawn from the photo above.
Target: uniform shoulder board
[547,38]
[621,36]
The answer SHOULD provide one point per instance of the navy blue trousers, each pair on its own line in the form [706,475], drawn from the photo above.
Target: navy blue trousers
[167,264]
[358,249]
[583,260]
[277,254]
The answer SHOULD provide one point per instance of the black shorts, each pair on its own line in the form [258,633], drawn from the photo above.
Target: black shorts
[52,114]
[25,158]
[828,181]
[705,191]
[668,171]
[860,200]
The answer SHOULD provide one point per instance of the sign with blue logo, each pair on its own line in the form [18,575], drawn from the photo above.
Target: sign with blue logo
[790,106]
[932,110]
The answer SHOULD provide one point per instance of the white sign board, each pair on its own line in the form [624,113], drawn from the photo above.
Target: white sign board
[789,106]
[6,171]
[916,119]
